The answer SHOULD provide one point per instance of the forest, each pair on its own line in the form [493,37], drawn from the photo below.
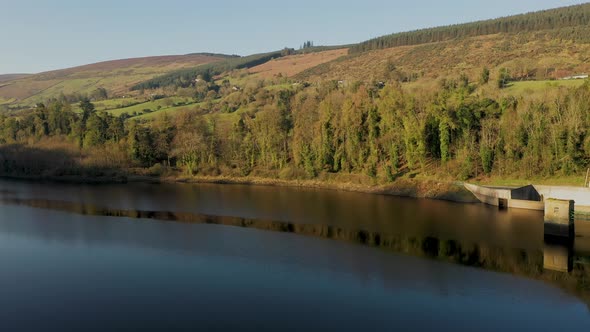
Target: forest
[377,131]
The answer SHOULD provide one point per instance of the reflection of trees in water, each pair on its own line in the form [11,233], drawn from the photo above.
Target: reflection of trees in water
[528,263]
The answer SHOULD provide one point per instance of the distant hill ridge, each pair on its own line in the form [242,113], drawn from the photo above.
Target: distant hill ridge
[151,61]
[11,77]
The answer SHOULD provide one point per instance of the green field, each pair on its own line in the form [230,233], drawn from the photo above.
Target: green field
[6,101]
[173,109]
[167,111]
[154,106]
[285,86]
[528,87]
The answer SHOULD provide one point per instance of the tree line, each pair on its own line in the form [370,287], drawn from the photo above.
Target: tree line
[567,22]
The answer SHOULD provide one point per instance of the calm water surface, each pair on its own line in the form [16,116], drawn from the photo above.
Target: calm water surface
[220,257]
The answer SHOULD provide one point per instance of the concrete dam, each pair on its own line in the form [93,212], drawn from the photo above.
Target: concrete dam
[533,197]
[561,205]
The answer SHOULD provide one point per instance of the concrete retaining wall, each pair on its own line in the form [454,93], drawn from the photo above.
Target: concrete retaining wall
[489,195]
[527,205]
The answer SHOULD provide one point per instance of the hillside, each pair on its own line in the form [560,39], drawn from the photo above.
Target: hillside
[292,65]
[115,76]
[538,46]
[544,45]
[527,56]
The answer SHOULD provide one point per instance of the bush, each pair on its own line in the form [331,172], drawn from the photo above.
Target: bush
[157,170]
[291,173]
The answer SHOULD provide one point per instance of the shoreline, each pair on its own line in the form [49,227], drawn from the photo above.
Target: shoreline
[428,189]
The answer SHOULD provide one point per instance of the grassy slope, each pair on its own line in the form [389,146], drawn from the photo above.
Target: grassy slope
[116,76]
[539,88]
[4,101]
[151,105]
[167,111]
[467,55]
[294,64]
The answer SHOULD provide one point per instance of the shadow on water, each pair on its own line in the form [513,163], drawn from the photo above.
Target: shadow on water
[59,163]
[557,263]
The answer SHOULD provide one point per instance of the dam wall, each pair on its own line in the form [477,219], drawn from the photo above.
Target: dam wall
[533,197]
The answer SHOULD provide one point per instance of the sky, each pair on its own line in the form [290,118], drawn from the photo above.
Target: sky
[41,35]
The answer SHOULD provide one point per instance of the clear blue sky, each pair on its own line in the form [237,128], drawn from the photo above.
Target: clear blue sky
[40,35]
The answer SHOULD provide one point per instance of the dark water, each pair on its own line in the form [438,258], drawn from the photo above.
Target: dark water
[214,257]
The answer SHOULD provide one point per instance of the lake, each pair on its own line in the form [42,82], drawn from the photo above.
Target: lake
[232,257]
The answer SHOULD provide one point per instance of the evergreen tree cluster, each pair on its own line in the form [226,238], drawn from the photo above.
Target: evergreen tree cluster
[307,44]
